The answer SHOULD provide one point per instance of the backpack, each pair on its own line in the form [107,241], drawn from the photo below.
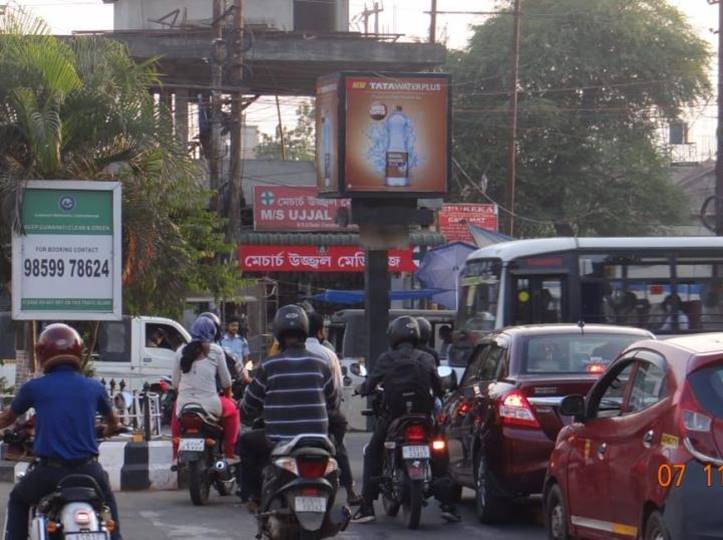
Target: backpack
[407,385]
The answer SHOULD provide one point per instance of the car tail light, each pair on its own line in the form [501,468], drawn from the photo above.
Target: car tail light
[312,467]
[191,422]
[464,408]
[415,433]
[696,424]
[595,367]
[515,410]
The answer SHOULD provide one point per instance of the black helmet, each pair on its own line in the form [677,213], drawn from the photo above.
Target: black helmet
[403,330]
[425,330]
[291,319]
[216,321]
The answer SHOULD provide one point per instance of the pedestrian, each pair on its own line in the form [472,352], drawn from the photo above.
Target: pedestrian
[234,342]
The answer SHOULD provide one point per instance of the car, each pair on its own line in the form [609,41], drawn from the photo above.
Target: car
[502,421]
[644,455]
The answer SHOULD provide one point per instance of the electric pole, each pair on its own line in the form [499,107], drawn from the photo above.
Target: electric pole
[217,59]
[235,192]
[719,156]
[512,178]
[368,13]
[433,25]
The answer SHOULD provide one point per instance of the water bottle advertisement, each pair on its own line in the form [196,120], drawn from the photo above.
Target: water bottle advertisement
[394,137]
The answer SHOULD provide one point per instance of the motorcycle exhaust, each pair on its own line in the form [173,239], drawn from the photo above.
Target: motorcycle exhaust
[222,470]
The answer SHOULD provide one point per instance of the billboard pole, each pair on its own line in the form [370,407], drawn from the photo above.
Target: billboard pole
[512,178]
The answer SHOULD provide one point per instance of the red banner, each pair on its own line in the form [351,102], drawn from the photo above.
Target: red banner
[255,258]
[453,220]
[283,208]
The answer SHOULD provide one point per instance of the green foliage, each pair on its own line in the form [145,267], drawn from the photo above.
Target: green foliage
[300,142]
[79,108]
[596,80]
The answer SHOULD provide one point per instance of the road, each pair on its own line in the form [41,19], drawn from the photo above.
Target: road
[170,515]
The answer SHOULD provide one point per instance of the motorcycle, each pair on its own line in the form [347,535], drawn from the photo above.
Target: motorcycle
[200,451]
[299,492]
[410,445]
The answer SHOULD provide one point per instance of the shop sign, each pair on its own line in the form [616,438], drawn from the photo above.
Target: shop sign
[282,208]
[455,218]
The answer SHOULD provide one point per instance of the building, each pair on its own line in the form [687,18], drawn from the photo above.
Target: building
[697,180]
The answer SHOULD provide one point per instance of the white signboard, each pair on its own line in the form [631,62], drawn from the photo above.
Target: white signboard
[67,258]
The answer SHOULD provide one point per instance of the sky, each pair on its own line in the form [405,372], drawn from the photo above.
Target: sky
[406,17]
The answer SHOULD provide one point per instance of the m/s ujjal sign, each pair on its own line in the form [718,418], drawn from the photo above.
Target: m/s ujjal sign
[67,258]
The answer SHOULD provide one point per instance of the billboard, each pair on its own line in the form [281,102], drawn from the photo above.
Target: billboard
[266,258]
[454,218]
[282,208]
[67,262]
[394,137]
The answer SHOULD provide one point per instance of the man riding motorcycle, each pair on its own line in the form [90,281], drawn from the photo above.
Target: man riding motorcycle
[403,336]
[65,404]
[425,338]
[294,391]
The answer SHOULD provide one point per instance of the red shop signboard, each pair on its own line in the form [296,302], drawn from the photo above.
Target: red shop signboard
[282,208]
[454,218]
[254,258]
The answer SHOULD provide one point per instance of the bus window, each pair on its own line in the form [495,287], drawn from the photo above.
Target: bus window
[538,299]
[479,296]
[700,289]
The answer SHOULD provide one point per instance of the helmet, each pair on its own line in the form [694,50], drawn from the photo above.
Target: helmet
[216,321]
[291,319]
[425,330]
[59,344]
[204,330]
[403,330]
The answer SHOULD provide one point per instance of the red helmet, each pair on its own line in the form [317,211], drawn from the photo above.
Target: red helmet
[59,344]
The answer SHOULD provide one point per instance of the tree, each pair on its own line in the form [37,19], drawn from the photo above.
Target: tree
[596,81]
[79,108]
[299,143]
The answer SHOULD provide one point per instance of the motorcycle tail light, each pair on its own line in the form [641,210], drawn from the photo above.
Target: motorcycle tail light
[82,517]
[288,464]
[312,466]
[438,445]
[515,410]
[191,422]
[415,433]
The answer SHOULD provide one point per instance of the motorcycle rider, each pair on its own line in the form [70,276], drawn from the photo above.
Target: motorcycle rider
[197,367]
[403,336]
[425,338]
[294,391]
[337,421]
[65,404]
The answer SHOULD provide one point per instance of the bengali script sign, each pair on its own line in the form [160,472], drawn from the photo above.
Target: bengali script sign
[282,208]
[453,220]
[261,258]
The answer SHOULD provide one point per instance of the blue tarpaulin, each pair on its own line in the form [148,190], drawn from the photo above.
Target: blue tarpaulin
[440,270]
[357,297]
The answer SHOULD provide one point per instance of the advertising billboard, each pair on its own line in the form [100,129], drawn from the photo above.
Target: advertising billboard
[282,208]
[260,258]
[394,137]
[67,264]
[454,218]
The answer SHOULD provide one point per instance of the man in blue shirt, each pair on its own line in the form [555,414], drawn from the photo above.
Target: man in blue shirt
[234,343]
[65,404]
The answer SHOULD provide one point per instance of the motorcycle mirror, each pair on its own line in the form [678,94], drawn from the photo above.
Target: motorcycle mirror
[355,368]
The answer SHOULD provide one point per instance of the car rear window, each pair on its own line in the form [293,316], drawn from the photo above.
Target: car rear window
[573,353]
[707,385]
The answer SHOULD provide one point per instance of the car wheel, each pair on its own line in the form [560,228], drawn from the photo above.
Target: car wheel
[556,515]
[490,506]
[655,528]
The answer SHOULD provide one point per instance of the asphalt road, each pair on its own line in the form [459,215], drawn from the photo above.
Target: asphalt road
[170,515]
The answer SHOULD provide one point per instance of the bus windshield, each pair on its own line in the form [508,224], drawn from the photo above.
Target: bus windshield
[479,296]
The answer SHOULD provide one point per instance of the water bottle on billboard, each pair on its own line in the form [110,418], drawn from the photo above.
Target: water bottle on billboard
[398,129]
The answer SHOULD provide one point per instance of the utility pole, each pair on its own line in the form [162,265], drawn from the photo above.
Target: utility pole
[282,137]
[368,13]
[217,60]
[237,108]
[719,158]
[433,25]
[512,179]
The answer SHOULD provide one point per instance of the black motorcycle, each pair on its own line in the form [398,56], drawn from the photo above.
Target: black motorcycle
[299,492]
[200,452]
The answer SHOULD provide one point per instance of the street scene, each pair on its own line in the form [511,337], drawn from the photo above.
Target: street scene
[307,269]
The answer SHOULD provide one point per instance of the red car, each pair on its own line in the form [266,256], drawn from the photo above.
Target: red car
[502,421]
[644,457]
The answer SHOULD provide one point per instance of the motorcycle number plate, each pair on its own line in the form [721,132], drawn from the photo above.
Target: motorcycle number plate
[87,536]
[310,504]
[192,445]
[415,452]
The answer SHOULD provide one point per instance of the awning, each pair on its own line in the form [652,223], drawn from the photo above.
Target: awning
[357,297]
[418,238]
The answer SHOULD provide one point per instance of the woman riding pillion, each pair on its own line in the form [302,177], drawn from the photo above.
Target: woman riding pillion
[198,366]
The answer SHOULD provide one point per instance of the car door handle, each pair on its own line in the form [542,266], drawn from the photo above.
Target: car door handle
[601,450]
[648,439]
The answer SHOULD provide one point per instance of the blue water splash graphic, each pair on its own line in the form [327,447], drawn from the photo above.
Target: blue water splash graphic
[378,137]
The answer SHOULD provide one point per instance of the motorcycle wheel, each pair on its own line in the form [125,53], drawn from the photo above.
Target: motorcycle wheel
[198,484]
[391,507]
[413,502]
[226,488]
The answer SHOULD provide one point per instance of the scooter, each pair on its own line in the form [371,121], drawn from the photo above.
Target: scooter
[299,492]
[200,450]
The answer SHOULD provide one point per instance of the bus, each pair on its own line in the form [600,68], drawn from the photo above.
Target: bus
[668,285]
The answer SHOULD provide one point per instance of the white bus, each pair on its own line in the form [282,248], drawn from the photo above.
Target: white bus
[666,285]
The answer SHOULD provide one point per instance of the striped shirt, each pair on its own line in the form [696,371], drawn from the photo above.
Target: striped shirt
[294,391]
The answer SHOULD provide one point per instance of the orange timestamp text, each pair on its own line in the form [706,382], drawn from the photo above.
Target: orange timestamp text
[674,475]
